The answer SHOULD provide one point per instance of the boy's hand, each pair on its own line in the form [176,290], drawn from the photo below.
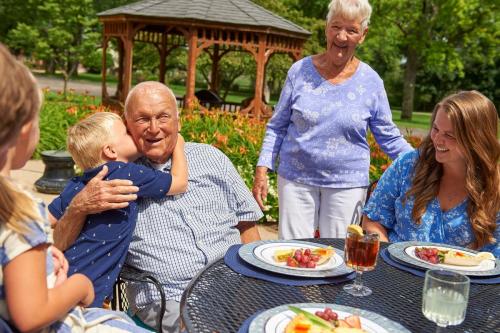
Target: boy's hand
[180,142]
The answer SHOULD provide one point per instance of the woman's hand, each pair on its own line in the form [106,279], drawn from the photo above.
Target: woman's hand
[60,265]
[260,186]
[375,227]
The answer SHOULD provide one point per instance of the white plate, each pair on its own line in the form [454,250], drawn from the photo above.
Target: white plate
[275,320]
[265,252]
[404,252]
[336,265]
[485,265]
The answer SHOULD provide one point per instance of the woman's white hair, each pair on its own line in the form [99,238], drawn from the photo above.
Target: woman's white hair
[350,9]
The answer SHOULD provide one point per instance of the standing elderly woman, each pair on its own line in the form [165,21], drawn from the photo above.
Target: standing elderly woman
[319,127]
[447,191]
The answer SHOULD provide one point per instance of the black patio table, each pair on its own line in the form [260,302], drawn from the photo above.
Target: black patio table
[219,299]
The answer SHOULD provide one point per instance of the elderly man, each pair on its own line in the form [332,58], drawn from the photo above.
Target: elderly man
[177,236]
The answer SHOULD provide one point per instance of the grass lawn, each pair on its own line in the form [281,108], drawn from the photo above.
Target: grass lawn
[421,120]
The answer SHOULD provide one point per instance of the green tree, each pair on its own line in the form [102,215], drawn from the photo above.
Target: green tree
[13,12]
[437,36]
[59,33]
[102,5]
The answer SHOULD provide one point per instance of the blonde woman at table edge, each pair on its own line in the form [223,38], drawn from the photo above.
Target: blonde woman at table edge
[448,190]
[37,295]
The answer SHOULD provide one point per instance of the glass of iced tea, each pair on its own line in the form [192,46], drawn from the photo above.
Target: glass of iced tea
[360,253]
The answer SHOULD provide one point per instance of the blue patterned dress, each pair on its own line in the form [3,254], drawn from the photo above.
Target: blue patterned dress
[386,207]
[88,320]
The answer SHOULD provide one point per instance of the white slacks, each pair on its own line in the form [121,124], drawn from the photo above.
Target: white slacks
[304,208]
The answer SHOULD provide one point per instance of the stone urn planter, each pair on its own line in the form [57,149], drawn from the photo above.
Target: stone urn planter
[59,168]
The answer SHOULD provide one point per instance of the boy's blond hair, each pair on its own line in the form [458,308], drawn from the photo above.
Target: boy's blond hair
[87,138]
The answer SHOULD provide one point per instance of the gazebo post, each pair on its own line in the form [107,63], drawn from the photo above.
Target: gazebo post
[214,77]
[104,95]
[259,77]
[163,57]
[128,45]
[191,68]
[121,51]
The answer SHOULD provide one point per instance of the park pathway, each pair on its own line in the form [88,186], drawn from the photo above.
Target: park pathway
[82,87]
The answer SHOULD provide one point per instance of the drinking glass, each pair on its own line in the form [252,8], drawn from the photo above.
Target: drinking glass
[360,253]
[445,296]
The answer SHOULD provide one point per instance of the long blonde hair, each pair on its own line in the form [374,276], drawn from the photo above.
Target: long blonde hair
[19,103]
[475,120]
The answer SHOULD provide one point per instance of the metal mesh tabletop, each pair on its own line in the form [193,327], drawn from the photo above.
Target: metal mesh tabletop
[219,299]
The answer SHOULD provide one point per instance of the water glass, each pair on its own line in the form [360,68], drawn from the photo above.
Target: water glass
[445,296]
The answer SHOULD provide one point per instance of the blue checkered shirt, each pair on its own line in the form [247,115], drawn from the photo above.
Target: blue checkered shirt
[176,236]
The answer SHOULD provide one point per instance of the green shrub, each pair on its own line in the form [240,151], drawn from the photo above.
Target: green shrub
[57,115]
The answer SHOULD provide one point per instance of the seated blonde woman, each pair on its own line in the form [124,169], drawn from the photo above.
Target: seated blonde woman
[448,190]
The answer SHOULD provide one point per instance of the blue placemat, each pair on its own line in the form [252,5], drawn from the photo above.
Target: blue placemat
[233,261]
[421,271]
[246,324]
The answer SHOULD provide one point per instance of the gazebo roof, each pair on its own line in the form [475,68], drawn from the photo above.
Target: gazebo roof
[231,12]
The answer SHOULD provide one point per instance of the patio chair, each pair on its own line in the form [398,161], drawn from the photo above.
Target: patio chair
[357,214]
[120,302]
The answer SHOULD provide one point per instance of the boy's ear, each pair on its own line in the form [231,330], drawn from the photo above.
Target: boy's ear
[109,152]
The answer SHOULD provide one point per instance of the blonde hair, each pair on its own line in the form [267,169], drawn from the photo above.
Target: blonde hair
[475,120]
[20,101]
[350,9]
[87,138]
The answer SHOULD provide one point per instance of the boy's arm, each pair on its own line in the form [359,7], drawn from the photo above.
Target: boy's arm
[179,170]
[97,196]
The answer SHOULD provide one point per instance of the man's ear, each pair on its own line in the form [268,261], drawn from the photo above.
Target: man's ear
[109,152]
[179,124]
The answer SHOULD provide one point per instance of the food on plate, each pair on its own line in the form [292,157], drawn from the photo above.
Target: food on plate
[304,258]
[451,257]
[325,321]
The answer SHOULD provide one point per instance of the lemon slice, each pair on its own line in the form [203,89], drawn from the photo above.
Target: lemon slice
[355,229]
[485,256]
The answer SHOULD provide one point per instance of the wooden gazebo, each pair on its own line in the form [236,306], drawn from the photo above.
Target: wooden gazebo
[214,26]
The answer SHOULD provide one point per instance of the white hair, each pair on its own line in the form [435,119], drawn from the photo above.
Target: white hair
[144,87]
[350,9]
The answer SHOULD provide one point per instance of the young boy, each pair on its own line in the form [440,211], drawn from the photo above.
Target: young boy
[101,248]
